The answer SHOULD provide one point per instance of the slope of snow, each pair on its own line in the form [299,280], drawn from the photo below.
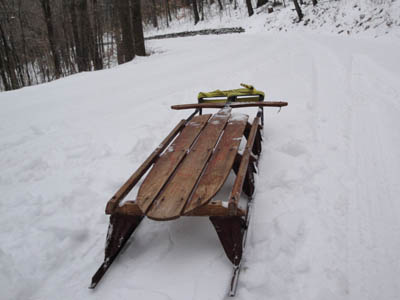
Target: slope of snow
[346,17]
[325,222]
[372,18]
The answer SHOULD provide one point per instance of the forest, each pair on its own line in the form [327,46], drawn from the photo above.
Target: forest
[43,40]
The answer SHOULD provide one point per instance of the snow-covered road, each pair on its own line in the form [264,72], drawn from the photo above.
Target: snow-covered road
[326,222]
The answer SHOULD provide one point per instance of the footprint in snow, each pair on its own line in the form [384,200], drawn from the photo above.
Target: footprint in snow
[293,148]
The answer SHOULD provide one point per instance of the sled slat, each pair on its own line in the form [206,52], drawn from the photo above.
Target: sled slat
[168,162]
[220,164]
[169,204]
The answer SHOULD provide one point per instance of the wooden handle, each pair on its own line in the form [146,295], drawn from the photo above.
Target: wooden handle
[233,105]
[241,174]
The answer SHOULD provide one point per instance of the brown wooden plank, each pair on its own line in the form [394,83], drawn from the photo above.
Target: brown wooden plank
[130,183]
[220,164]
[214,208]
[232,105]
[241,175]
[170,202]
[168,162]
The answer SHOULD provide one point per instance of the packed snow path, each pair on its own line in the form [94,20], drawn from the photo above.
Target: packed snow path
[325,224]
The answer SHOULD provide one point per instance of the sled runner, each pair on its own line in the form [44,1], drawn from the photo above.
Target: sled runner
[187,170]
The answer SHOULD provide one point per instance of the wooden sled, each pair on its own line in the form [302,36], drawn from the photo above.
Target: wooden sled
[187,170]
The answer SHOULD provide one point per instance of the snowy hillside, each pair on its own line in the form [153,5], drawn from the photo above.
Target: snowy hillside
[371,18]
[326,220]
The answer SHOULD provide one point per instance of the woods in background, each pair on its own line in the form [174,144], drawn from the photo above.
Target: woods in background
[42,40]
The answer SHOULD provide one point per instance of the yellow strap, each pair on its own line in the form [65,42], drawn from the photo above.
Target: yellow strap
[247,90]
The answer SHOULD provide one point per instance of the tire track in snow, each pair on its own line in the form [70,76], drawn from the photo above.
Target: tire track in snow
[329,148]
[375,184]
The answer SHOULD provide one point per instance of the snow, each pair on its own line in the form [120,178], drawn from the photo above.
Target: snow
[238,117]
[369,18]
[325,222]
[170,149]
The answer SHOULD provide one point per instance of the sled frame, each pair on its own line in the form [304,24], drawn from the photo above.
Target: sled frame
[230,221]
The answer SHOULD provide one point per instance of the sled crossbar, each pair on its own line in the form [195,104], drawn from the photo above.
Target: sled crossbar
[232,105]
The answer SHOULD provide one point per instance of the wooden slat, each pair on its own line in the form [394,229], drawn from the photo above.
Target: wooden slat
[169,161]
[130,183]
[213,209]
[241,175]
[170,202]
[220,164]
[232,105]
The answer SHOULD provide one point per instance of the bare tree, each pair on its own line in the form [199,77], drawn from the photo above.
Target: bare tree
[168,11]
[220,5]
[249,8]
[7,63]
[154,13]
[126,48]
[138,28]
[97,39]
[51,37]
[201,7]
[298,9]
[195,12]
[261,3]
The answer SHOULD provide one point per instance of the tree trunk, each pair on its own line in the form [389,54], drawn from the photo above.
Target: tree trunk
[195,12]
[97,38]
[201,4]
[154,13]
[249,8]
[15,57]
[138,28]
[3,75]
[168,10]
[261,3]
[85,35]
[23,40]
[166,14]
[10,66]
[117,36]
[77,41]
[3,69]
[51,37]
[68,43]
[220,5]
[127,50]
[298,10]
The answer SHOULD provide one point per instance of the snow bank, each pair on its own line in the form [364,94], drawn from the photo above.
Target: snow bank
[371,18]
[346,17]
